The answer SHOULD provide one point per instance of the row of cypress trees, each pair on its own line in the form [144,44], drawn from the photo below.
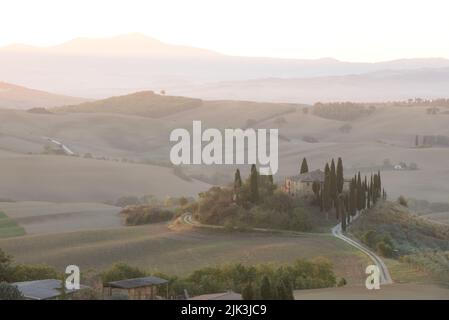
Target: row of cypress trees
[362,194]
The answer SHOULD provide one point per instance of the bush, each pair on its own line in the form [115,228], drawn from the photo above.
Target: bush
[343,111]
[301,220]
[384,249]
[310,139]
[402,201]
[127,201]
[369,238]
[120,271]
[342,282]
[139,215]
[26,272]
[248,292]
[5,266]
[10,292]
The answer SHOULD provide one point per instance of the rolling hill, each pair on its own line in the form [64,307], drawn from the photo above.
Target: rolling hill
[18,97]
[144,103]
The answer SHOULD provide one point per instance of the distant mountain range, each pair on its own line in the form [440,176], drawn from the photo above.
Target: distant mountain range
[17,97]
[99,68]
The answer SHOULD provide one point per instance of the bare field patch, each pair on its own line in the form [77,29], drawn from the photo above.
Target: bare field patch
[38,217]
[70,179]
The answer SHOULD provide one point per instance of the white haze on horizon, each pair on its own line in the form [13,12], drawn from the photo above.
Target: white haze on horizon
[348,30]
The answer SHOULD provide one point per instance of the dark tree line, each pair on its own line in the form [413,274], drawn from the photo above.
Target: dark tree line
[361,194]
[257,185]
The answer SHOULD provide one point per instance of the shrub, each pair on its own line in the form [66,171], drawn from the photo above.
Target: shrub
[342,282]
[384,249]
[10,292]
[402,201]
[127,201]
[369,238]
[301,220]
[310,139]
[248,292]
[139,215]
[26,272]
[120,271]
[5,266]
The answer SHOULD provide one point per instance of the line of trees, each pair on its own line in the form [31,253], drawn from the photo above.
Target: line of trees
[257,186]
[362,193]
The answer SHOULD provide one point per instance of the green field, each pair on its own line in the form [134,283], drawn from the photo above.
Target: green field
[9,228]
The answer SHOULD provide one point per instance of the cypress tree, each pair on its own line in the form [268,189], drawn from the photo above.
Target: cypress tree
[333,183]
[359,192]
[343,221]
[237,184]
[304,167]
[340,177]
[326,188]
[380,183]
[254,186]
[321,201]
[281,291]
[368,199]
[352,197]
[237,179]
[265,289]
[337,208]
[289,293]
[270,186]
[248,292]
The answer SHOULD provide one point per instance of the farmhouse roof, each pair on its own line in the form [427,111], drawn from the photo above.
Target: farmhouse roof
[136,283]
[316,175]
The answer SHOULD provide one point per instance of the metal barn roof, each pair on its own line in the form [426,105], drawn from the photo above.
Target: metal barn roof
[41,289]
[136,283]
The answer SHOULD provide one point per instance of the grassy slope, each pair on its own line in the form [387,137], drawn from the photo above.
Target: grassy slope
[144,103]
[38,217]
[425,242]
[156,247]
[9,228]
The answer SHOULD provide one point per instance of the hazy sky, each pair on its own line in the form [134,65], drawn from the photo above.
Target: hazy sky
[353,30]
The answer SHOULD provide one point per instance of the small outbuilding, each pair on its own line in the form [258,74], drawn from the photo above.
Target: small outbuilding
[46,289]
[138,288]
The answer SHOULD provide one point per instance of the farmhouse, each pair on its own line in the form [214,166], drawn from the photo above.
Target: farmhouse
[302,184]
